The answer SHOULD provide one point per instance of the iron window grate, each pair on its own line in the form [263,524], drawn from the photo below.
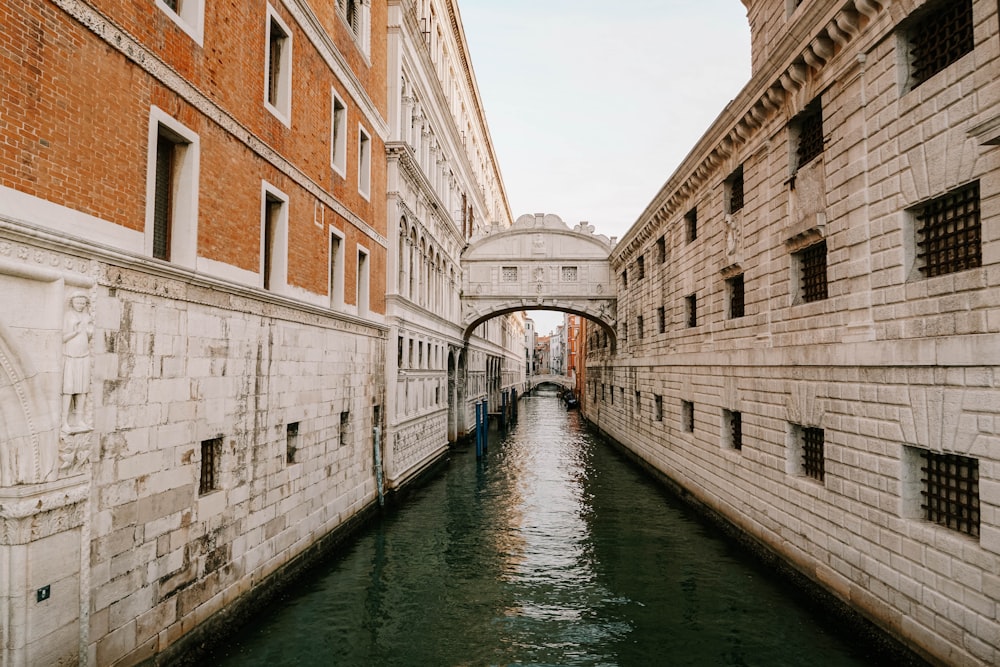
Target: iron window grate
[736,429]
[949,237]
[736,191]
[210,451]
[737,295]
[814,284]
[951,491]
[941,38]
[810,135]
[812,452]
[691,303]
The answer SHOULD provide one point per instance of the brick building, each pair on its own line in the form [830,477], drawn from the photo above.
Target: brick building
[809,338]
[192,320]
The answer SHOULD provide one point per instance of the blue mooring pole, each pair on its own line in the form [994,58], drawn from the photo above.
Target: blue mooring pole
[479,431]
[486,424]
[503,410]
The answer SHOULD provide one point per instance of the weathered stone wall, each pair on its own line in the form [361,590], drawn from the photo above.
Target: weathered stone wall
[890,364]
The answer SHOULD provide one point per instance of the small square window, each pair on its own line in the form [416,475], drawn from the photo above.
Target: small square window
[569,274]
[812,272]
[734,286]
[691,225]
[508,274]
[691,310]
[949,232]
[211,453]
[945,489]
[687,416]
[732,429]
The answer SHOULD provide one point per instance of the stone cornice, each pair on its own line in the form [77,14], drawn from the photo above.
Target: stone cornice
[118,39]
[802,54]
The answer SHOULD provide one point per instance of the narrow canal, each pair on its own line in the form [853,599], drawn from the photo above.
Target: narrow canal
[554,550]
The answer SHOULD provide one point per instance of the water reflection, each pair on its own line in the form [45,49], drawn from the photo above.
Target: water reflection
[551,551]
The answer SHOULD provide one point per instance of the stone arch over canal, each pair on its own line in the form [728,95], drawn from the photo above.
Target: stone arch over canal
[539,263]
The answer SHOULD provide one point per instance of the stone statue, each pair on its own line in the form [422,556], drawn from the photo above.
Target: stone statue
[78,329]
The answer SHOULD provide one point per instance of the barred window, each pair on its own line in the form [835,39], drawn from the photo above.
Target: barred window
[640,265]
[733,428]
[661,249]
[658,407]
[949,232]
[691,224]
[691,310]
[211,452]
[951,491]
[508,274]
[661,317]
[736,296]
[940,37]
[809,125]
[734,188]
[291,441]
[812,272]
[569,274]
[640,329]
[687,416]
[812,452]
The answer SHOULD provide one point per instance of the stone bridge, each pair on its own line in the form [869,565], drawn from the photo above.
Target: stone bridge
[539,263]
[563,381]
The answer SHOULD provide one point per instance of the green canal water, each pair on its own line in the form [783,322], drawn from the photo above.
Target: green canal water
[553,550]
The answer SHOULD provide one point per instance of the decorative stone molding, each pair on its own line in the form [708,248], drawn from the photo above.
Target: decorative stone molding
[803,404]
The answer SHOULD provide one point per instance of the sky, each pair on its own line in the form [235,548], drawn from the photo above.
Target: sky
[593,104]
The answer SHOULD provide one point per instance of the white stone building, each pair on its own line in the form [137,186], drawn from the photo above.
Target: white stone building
[444,186]
[809,313]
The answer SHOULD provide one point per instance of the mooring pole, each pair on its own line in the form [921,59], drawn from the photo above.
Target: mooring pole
[486,424]
[479,430]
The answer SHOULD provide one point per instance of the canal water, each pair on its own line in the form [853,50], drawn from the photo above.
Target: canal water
[553,550]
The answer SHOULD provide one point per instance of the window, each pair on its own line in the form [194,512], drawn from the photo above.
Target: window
[345,427]
[938,37]
[806,451]
[273,238]
[661,318]
[638,404]
[658,407]
[807,128]
[291,442]
[734,286]
[508,274]
[811,264]
[363,284]
[691,310]
[211,452]
[338,135]
[661,249]
[364,163]
[942,488]
[687,416]
[734,191]
[336,288]
[948,231]
[625,278]
[569,274]
[639,326]
[691,225]
[189,15]
[732,429]
[278,68]
[603,391]
[171,190]
[640,266]
[356,15]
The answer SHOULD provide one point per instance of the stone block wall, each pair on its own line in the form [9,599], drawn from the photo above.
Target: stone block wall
[891,365]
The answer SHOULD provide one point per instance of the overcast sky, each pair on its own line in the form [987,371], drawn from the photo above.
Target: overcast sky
[592,104]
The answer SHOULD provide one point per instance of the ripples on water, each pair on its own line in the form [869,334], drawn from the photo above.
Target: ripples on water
[552,551]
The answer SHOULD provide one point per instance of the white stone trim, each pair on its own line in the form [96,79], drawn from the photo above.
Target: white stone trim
[338,135]
[335,286]
[364,163]
[227,272]
[363,282]
[279,251]
[21,207]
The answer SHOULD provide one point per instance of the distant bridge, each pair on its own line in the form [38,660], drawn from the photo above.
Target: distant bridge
[563,381]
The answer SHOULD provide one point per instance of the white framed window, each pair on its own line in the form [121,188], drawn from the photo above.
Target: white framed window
[338,134]
[278,68]
[172,170]
[363,281]
[273,238]
[189,15]
[364,163]
[336,287]
[357,15]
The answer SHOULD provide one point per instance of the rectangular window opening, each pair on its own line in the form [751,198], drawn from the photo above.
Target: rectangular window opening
[949,232]
[734,188]
[939,37]
[338,136]
[813,457]
[691,225]
[809,128]
[211,453]
[364,163]
[291,442]
[166,150]
[687,416]
[737,305]
[691,310]
[658,407]
[345,424]
[273,208]
[733,428]
[812,272]
[950,494]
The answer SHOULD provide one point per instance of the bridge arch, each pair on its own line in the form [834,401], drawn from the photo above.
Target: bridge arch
[539,263]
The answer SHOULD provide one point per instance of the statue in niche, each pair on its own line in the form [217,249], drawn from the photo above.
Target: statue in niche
[734,235]
[78,330]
